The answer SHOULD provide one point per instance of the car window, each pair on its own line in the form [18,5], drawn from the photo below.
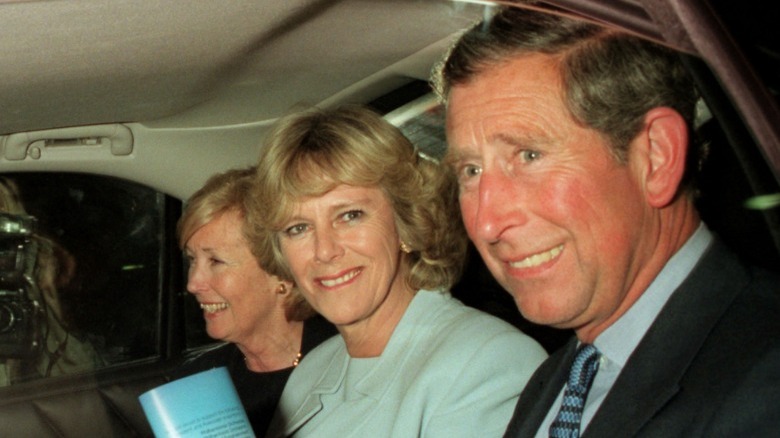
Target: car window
[84,274]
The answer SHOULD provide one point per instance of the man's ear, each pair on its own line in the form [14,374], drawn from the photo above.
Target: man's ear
[664,140]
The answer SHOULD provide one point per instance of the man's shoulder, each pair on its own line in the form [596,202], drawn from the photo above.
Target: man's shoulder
[731,377]
[750,297]
[750,325]
[724,339]
[725,303]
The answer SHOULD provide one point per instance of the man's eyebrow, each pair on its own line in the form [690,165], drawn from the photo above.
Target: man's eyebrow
[455,155]
[513,140]
[452,156]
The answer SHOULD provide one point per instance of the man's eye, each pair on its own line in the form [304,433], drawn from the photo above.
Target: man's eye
[529,155]
[470,171]
[351,215]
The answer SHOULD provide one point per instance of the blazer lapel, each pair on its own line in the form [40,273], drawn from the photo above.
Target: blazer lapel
[652,374]
[541,391]
[331,380]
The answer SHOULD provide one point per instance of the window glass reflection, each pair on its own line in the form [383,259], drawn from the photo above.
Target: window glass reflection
[80,281]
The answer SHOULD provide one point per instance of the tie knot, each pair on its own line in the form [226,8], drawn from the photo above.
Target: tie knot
[585,365]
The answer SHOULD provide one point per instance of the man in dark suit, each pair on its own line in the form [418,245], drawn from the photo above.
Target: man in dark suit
[573,146]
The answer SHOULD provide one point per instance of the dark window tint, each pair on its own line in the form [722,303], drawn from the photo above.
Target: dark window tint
[81,290]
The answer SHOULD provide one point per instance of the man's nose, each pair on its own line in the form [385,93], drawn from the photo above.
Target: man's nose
[498,206]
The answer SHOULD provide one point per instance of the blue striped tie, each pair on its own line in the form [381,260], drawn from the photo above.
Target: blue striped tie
[567,422]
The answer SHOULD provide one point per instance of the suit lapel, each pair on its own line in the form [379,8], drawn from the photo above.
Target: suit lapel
[652,374]
[541,391]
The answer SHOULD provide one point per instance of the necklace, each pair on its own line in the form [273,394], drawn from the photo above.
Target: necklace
[297,359]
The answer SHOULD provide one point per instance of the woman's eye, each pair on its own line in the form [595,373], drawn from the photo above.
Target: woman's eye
[351,215]
[295,230]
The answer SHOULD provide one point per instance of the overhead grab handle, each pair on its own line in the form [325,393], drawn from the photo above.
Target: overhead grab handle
[118,138]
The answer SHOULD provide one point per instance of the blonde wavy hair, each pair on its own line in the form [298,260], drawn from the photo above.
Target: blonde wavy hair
[310,152]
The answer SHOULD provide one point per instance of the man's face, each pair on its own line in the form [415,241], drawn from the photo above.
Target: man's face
[557,220]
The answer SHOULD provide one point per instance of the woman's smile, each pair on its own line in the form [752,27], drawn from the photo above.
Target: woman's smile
[340,279]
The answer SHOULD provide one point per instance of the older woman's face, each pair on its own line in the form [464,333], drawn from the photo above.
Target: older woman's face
[343,250]
[238,298]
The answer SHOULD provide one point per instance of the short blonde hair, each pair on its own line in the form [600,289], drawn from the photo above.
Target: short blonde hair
[310,152]
[223,193]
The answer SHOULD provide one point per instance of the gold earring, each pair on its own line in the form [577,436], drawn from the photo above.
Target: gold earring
[282,289]
[405,248]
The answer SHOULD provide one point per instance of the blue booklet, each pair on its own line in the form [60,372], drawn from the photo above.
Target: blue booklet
[205,404]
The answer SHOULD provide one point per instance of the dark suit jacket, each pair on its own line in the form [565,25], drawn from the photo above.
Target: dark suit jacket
[708,366]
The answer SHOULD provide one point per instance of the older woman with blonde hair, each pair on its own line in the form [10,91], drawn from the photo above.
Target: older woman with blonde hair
[369,232]
[265,324]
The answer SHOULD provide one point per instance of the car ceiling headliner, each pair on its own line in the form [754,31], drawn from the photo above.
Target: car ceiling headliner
[199,63]
[203,62]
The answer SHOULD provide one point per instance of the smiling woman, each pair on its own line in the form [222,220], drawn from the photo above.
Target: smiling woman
[345,207]
[267,326]
[365,294]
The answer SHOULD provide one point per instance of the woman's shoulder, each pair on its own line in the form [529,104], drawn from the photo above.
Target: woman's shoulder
[466,329]
[448,311]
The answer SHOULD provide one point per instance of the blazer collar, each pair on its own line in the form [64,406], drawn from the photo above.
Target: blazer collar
[423,310]
[330,381]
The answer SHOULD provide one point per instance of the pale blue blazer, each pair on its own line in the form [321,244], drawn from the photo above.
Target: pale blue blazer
[448,371]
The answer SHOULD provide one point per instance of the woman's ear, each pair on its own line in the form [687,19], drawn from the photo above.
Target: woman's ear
[664,143]
[282,287]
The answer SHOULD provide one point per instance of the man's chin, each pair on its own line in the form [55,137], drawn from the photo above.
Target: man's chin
[550,316]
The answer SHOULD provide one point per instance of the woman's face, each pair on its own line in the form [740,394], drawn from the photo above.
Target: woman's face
[238,298]
[344,252]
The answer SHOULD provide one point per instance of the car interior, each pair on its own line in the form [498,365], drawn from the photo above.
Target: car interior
[112,113]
